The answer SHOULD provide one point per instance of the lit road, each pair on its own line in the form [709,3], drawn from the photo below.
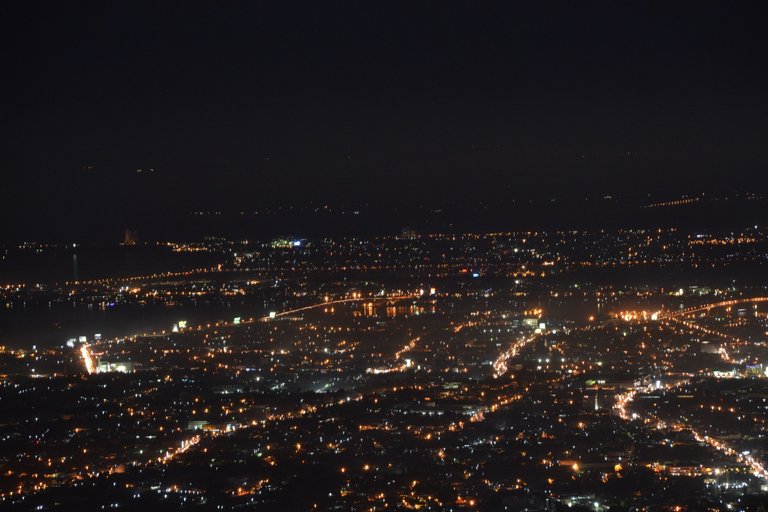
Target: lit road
[624,400]
[329,303]
[622,407]
[707,307]
[500,364]
[401,367]
[678,318]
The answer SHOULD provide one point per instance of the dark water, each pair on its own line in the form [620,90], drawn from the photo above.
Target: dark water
[64,263]
[42,324]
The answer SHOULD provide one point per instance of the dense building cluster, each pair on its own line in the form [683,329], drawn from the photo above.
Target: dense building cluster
[558,370]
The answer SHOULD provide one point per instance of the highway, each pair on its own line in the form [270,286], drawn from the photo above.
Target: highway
[707,307]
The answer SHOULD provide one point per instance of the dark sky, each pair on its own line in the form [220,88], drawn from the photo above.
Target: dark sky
[240,104]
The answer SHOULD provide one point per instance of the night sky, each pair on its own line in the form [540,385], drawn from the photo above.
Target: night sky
[239,105]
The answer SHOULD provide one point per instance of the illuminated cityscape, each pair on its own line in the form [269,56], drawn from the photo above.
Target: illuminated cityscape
[432,371]
[389,256]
